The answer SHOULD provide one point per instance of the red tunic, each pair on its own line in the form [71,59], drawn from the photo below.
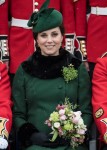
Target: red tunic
[74,13]
[97,32]
[99,98]
[5,102]
[75,19]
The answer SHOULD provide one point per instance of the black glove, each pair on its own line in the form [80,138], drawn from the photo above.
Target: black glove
[25,132]
[43,139]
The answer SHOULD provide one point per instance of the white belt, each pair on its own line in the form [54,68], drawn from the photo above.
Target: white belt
[99,10]
[20,23]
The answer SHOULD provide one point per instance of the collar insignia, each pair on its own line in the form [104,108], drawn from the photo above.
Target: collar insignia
[99,113]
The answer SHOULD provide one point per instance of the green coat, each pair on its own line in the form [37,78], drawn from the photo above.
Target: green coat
[41,96]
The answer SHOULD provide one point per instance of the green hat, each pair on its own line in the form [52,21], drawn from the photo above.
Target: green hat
[45,19]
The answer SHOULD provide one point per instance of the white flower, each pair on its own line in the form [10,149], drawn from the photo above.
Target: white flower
[61,111]
[63,117]
[56,124]
[80,122]
[81,131]
[77,113]
[76,117]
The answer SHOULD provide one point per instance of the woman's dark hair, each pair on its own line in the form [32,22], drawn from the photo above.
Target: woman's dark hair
[35,34]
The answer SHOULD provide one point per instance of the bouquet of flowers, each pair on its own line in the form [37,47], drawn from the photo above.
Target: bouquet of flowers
[67,123]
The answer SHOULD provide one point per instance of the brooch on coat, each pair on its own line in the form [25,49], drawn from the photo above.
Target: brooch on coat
[69,73]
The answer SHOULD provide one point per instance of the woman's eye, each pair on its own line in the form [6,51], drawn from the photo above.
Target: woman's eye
[54,34]
[43,35]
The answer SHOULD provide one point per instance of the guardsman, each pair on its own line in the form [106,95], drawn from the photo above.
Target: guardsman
[96,32]
[18,39]
[99,98]
[5,106]
[76,36]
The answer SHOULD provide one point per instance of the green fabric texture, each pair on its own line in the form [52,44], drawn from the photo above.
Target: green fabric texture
[45,19]
[42,96]
[81,147]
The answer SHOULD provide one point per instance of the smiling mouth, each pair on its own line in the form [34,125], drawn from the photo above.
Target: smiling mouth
[50,46]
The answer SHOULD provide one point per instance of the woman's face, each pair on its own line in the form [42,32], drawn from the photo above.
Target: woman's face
[50,41]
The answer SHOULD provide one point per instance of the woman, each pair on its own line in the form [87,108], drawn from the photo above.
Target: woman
[99,98]
[5,107]
[39,85]
[16,33]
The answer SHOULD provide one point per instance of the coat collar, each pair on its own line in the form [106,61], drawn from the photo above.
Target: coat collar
[48,67]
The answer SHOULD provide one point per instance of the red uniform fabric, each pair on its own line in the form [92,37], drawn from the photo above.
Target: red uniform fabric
[75,20]
[5,102]
[99,96]
[75,16]
[21,43]
[97,32]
